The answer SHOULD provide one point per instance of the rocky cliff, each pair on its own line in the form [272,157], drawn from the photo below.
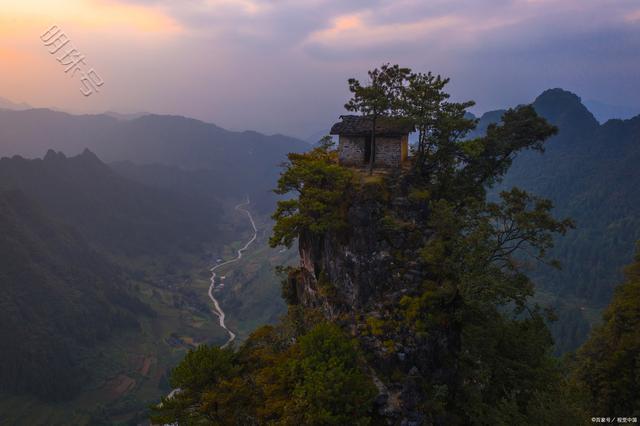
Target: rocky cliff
[359,279]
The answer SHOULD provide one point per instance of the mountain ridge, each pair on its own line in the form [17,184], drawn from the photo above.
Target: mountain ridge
[588,172]
[103,205]
[246,161]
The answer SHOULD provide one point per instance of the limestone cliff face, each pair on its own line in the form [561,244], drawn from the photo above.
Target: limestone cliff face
[353,271]
[359,278]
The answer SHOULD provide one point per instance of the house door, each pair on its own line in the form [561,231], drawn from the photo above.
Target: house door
[367,149]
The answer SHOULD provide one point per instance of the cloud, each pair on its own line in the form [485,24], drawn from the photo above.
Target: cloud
[281,23]
[335,28]
[281,65]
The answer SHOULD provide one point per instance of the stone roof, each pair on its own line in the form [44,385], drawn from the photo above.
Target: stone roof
[357,125]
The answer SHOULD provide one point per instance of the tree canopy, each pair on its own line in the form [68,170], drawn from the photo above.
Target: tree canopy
[381,97]
[321,185]
[607,366]
[319,380]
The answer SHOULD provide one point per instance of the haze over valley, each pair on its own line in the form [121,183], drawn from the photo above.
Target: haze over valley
[393,213]
[149,203]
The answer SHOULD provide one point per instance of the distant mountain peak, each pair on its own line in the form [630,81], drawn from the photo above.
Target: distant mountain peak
[87,153]
[559,95]
[52,155]
[89,159]
[561,106]
[86,158]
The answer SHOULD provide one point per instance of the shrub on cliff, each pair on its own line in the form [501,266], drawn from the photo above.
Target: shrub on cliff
[321,185]
[315,378]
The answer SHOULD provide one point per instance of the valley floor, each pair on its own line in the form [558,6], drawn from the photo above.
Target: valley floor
[131,371]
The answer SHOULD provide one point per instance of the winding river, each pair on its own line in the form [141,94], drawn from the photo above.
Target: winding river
[217,309]
[216,305]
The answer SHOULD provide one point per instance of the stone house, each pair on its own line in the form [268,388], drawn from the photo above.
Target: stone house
[354,140]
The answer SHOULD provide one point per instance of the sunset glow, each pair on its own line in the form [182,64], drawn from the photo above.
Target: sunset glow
[21,17]
[208,58]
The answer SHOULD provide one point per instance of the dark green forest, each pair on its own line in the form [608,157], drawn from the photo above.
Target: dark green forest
[589,172]
[72,232]
[117,214]
[59,297]
[605,369]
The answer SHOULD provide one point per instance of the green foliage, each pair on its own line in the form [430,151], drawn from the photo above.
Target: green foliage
[521,129]
[438,121]
[607,367]
[316,381]
[202,366]
[427,312]
[475,245]
[477,297]
[205,377]
[382,95]
[380,98]
[458,169]
[330,388]
[511,377]
[322,186]
[376,325]
[288,278]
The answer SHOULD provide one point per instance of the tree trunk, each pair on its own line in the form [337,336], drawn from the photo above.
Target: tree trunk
[373,143]
[422,148]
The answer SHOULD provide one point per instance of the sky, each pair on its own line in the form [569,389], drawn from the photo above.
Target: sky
[280,66]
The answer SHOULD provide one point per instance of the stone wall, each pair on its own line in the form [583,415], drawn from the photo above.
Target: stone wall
[388,151]
[351,150]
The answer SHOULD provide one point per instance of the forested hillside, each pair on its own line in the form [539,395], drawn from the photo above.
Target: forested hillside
[106,265]
[74,233]
[125,217]
[589,172]
[59,297]
[606,368]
